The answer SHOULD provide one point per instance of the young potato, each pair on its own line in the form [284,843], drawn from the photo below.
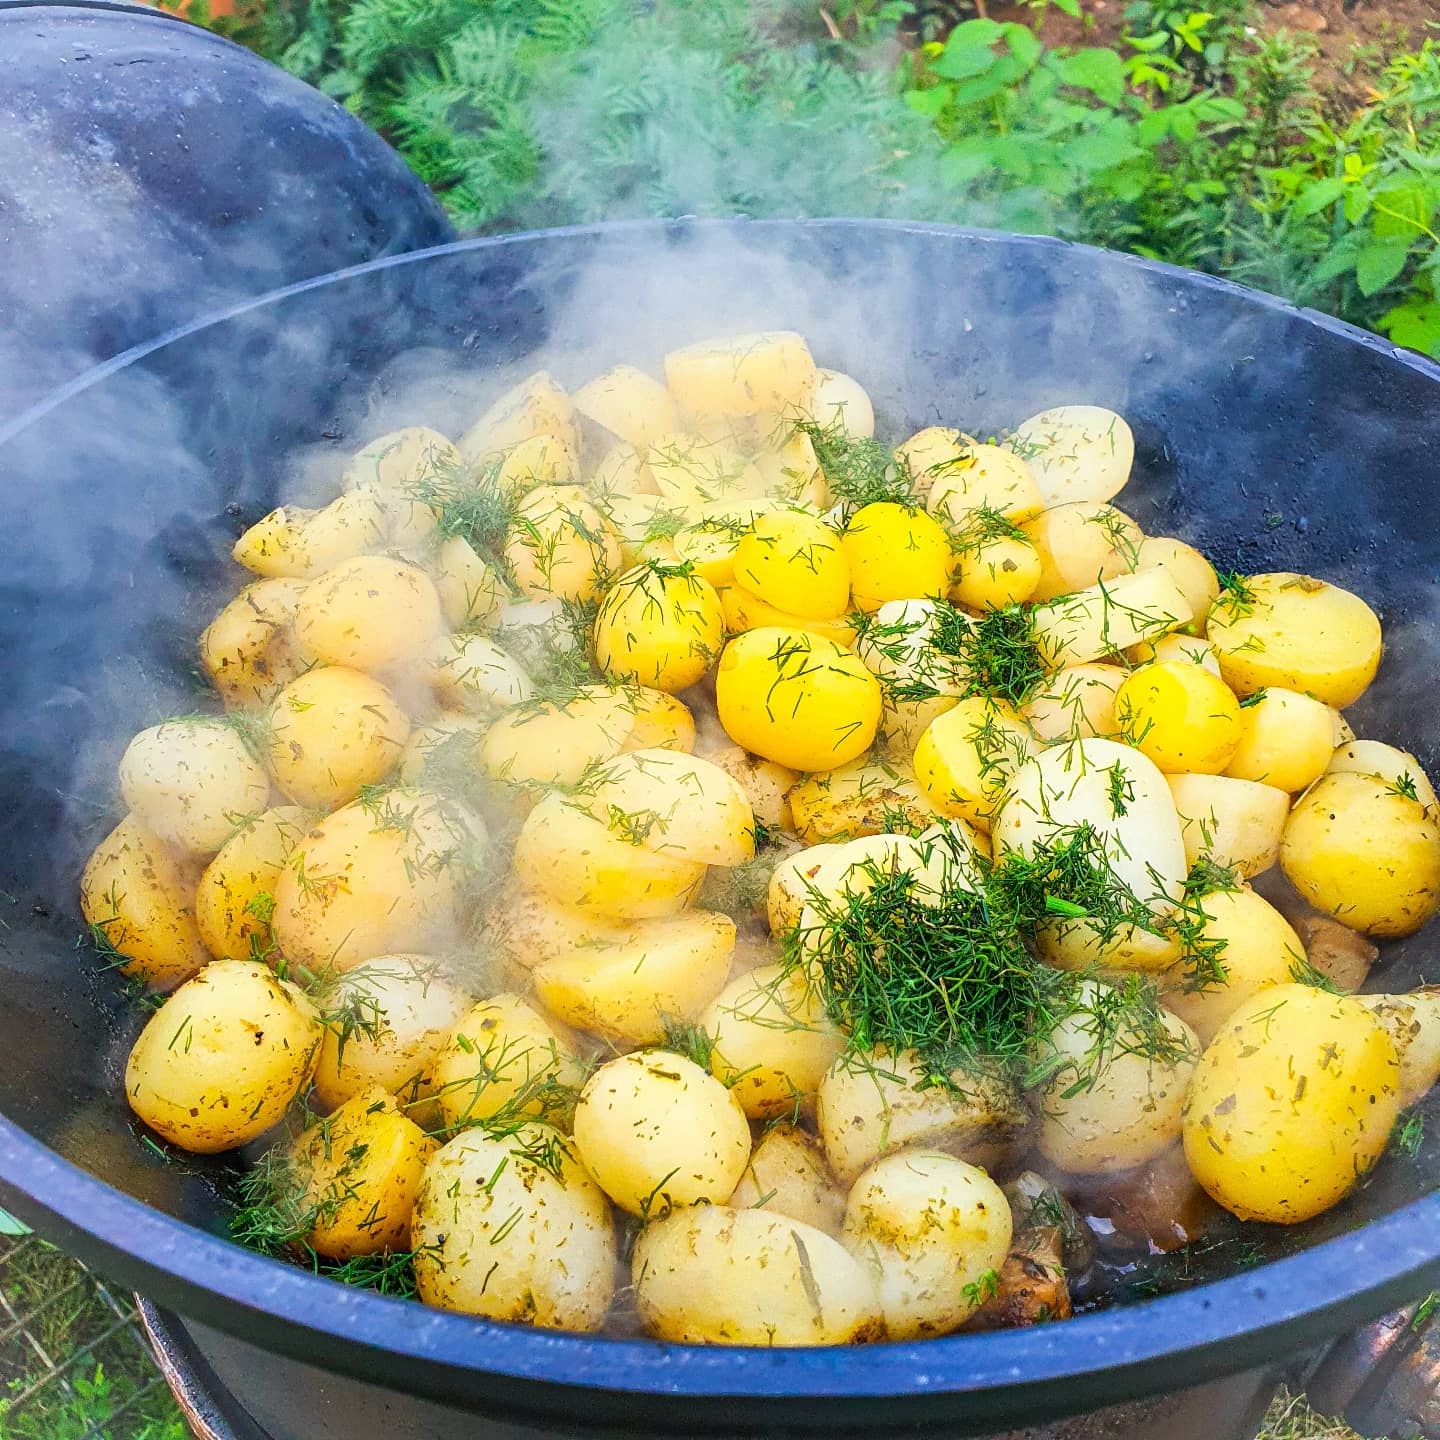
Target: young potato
[559,544]
[967,756]
[536,407]
[1291,1104]
[1077,452]
[578,861]
[237,890]
[502,1056]
[796,699]
[692,472]
[626,990]
[788,1176]
[448,744]
[471,594]
[1116,1084]
[1123,799]
[371,613]
[657,721]
[794,561]
[771,1040]
[524,930]
[722,1276]
[400,468]
[1081,544]
[874,1106]
[1236,823]
[744,611]
[766,785]
[554,742]
[248,650]
[386,1021]
[740,375]
[793,473]
[220,1061]
[627,402]
[861,798]
[137,894]
[374,878]
[842,401]
[298,544]
[657,1133]
[536,461]
[708,547]
[357,1173]
[931,1226]
[896,553]
[193,781]
[1189,569]
[1258,949]
[1297,633]
[1110,617]
[493,1218]
[678,806]
[828,872]
[333,731]
[1365,852]
[660,626]
[472,673]
[982,475]
[1286,740]
[1076,702]
[994,567]
[1180,716]
[1413,1024]
[1188,649]
[1399,769]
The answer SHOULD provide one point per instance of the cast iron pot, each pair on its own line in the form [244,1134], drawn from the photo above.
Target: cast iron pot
[1273,438]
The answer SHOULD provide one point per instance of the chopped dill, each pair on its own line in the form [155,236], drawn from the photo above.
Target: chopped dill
[1302,972]
[1409,1133]
[1403,785]
[999,653]
[858,471]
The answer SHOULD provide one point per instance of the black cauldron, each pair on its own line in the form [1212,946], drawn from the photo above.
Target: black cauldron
[1271,437]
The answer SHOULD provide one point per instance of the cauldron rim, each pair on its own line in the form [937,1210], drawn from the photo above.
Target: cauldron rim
[1095,1359]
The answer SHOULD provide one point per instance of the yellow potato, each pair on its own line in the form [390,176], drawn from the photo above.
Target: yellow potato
[657,1133]
[333,731]
[525,930]
[1286,740]
[237,890]
[405,469]
[248,650]
[503,1058]
[772,1042]
[741,375]
[1257,949]
[473,673]
[871,1106]
[966,758]
[1076,702]
[796,699]
[1189,569]
[554,742]
[766,785]
[535,407]
[357,1173]
[788,1176]
[678,806]
[994,570]
[794,562]
[1365,852]
[567,854]
[1396,767]
[1296,633]
[932,1227]
[1236,823]
[1110,617]
[1344,734]
[1077,452]
[622,474]
[658,625]
[1291,1104]
[746,611]
[449,744]
[493,1218]
[1116,1085]
[220,1061]
[137,894]
[375,878]
[1080,544]
[792,472]
[691,472]
[861,798]
[193,782]
[983,475]
[370,613]
[841,401]
[386,1021]
[929,455]
[722,1276]
[708,547]
[629,404]
[896,553]
[1180,716]
[1124,802]
[299,544]
[656,971]
[471,593]
[1413,1024]
[559,544]
[1179,646]
[828,872]
[549,458]
[657,720]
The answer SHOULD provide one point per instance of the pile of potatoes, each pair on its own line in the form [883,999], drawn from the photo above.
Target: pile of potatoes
[478,986]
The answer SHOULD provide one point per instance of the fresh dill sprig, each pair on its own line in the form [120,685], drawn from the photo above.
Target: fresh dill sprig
[1303,972]
[999,652]
[1409,1133]
[859,471]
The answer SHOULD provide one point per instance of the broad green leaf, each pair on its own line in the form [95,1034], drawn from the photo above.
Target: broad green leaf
[1154,126]
[1102,72]
[1379,262]
[1317,197]
[1024,45]
[929,102]
[1340,261]
[975,32]
[965,160]
[963,62]
[1148,43]
[1070,7]
[1403,211]
[1102,149]
[1416,324]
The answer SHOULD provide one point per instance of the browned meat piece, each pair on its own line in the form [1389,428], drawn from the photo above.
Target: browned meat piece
[1032,1285]
[1339,953]
[1155,1207]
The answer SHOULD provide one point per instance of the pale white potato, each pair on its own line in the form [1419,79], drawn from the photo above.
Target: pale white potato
[1076,452]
